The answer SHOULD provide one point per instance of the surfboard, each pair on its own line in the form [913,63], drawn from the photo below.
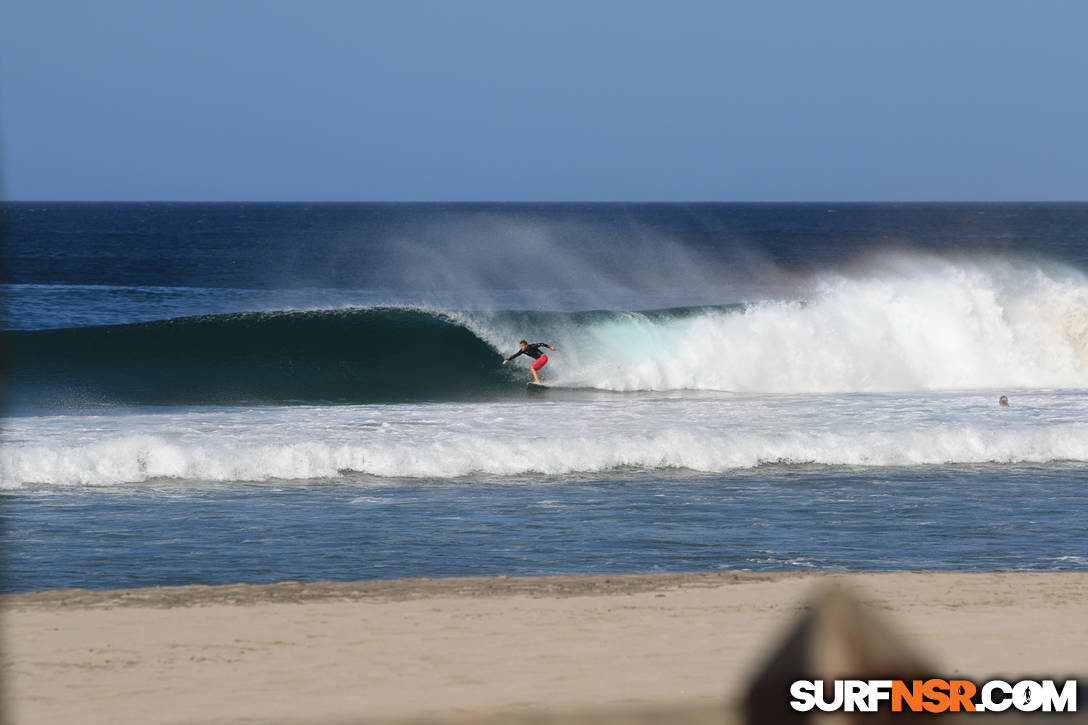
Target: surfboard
[536,386]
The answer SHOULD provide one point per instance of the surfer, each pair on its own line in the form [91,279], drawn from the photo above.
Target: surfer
[533,351]
[1003,401]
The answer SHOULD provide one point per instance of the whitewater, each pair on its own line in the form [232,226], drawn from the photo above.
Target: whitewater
[914,323]
[510,441]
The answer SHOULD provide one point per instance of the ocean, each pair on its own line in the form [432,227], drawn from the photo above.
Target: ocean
[254,392]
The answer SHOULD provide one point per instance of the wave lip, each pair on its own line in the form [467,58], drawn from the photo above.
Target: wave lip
[342,356]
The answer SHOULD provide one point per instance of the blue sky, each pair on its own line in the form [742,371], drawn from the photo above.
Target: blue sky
[558,101]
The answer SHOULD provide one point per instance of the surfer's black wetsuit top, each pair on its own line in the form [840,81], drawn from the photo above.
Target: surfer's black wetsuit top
[532,351]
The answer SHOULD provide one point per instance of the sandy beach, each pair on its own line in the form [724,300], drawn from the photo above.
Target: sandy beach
[464,648]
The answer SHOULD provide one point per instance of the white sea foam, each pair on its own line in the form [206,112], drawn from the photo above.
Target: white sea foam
[712,434]
[906,323]
[141,458]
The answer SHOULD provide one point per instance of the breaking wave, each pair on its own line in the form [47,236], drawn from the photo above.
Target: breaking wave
[909,324]
[138,458]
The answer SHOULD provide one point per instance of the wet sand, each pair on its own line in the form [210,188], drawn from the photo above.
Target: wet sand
[466,649]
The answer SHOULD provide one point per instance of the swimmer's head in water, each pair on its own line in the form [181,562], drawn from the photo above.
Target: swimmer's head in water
[1003,402]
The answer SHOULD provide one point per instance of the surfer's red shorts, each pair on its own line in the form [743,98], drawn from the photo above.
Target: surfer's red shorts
[540,362]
